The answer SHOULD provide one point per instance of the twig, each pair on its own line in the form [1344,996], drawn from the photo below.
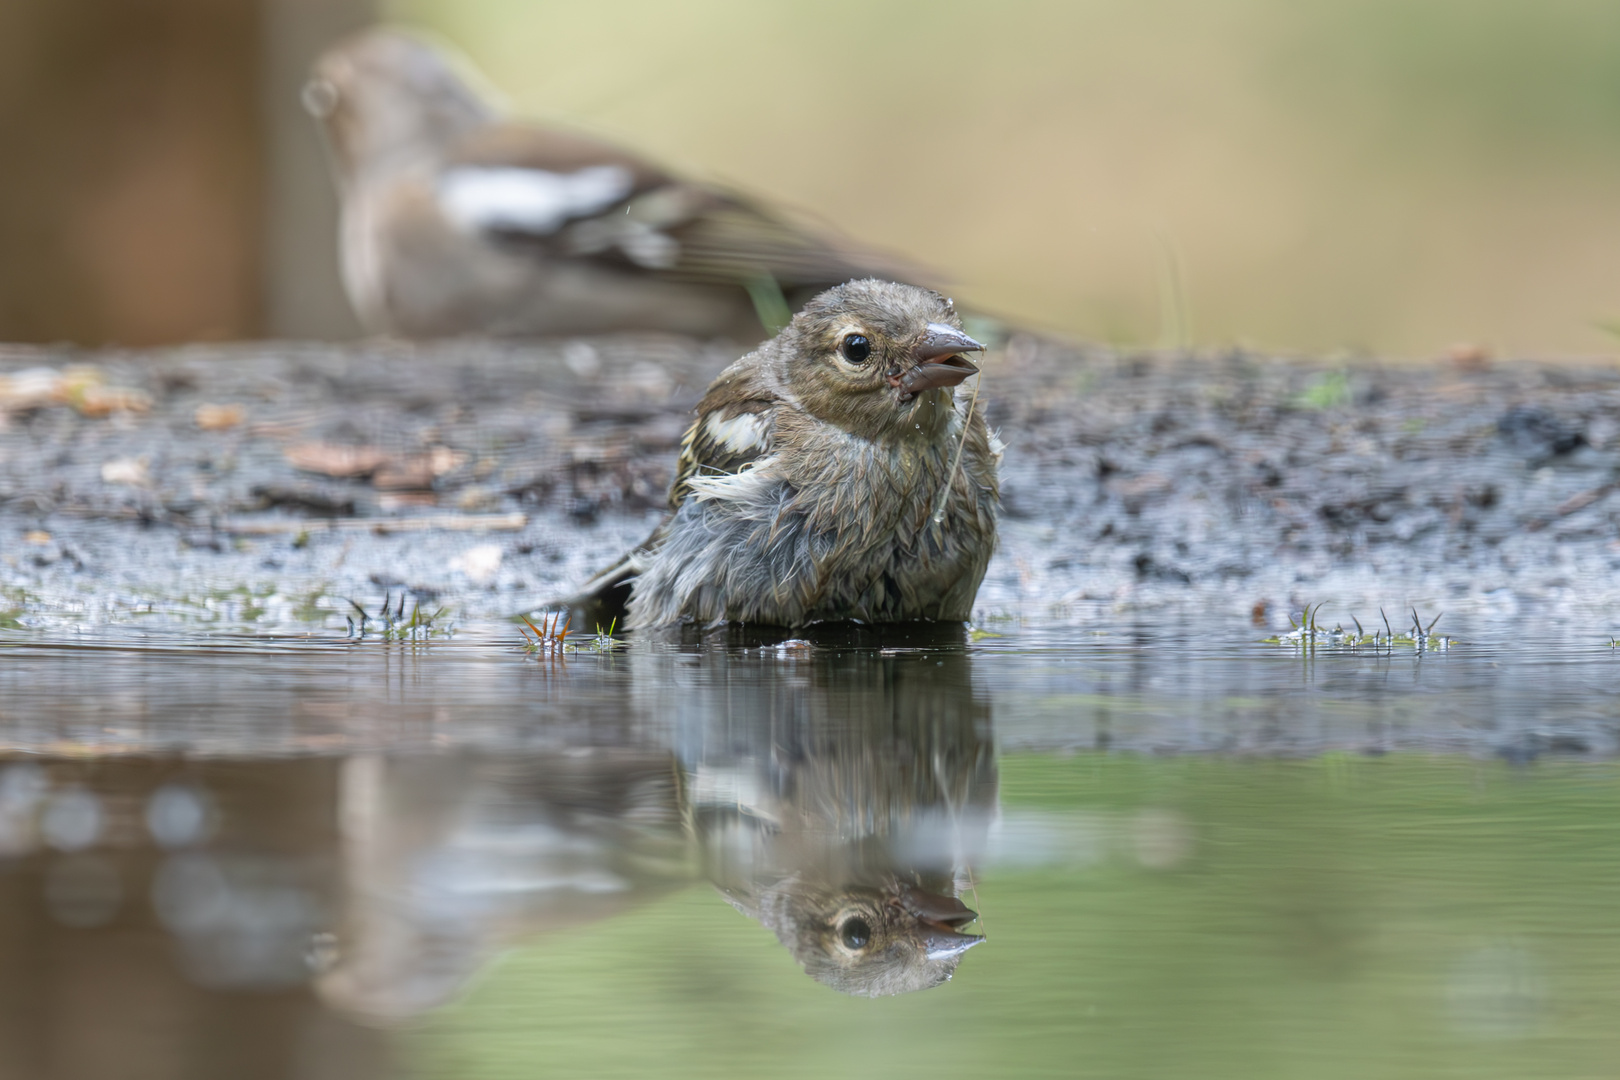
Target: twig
[950,477]
[447,522]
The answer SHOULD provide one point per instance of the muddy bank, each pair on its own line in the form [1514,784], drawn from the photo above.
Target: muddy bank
[261,484]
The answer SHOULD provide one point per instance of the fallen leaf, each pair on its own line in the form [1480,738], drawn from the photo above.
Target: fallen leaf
[105,400]
[413,473]
[83,387]
[334,459]
[417,471]
[79,386]
[219,417]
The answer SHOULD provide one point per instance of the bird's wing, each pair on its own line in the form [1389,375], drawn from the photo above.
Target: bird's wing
[571,195]
[735,427]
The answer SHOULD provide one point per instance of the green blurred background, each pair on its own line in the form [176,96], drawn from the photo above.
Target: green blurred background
[1342,917]
[1397,176]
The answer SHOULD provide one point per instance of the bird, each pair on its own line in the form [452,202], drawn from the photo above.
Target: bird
[832,474]
[456,219]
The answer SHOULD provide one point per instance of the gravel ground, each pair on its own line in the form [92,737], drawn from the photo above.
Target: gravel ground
[260,485]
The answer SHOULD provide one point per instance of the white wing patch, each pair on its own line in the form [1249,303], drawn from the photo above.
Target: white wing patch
[641,243]
[531,200]
[739,434]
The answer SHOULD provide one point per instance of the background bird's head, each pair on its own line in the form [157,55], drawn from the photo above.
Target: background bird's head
[385,97]
[877,358]
[869,940]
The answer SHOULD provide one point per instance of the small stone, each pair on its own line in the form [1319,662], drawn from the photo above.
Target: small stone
[479,563]
[132,471]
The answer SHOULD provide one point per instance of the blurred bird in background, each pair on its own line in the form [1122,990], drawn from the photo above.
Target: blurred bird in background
[830,474]
[447,859]
[457,220]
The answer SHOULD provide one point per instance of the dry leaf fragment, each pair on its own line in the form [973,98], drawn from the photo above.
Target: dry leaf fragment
[79,386]
[417,470]
[84,388]
[219,417]
[334,459]
[413,473]
[105,400]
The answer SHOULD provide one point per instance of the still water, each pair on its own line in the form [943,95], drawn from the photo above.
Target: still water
[1100,848]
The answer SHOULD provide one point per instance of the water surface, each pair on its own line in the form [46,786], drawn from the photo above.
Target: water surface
[1190,853]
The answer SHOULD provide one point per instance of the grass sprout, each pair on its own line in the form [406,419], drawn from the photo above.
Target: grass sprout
[392,624]
[601,641]
[550,638]
[1309,632]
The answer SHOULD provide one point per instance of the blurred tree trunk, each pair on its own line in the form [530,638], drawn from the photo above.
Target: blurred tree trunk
[143,167]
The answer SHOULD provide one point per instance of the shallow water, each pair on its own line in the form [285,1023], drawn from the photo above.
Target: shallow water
[1191,853]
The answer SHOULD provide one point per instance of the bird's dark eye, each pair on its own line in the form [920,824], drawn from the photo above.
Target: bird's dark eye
[855,933]
[855,349]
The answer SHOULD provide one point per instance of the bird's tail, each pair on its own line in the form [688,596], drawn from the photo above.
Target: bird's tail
[604,600]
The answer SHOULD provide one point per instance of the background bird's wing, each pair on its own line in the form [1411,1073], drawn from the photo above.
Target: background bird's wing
[572,195]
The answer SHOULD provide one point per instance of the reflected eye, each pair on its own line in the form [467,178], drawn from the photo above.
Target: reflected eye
[855,349]
[855,933]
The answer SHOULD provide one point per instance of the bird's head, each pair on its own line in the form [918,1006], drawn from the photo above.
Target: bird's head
[874,941]
[877,358]
[385,96]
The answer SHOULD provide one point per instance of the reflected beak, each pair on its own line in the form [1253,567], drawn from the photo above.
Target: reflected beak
[940,919]
[937,361]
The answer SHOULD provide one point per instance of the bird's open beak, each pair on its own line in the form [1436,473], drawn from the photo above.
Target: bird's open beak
[937,360]
[939,920]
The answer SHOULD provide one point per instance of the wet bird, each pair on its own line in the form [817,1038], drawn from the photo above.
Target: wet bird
[832,474]
[456,219]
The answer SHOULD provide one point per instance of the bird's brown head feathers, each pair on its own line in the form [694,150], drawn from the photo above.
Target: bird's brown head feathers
[876,358]
[384,95]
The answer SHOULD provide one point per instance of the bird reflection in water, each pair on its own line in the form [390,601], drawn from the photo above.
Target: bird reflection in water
[840,803]
[836,791]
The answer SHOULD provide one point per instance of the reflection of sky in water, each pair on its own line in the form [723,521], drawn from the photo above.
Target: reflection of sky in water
[1497,992]
[242,921]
